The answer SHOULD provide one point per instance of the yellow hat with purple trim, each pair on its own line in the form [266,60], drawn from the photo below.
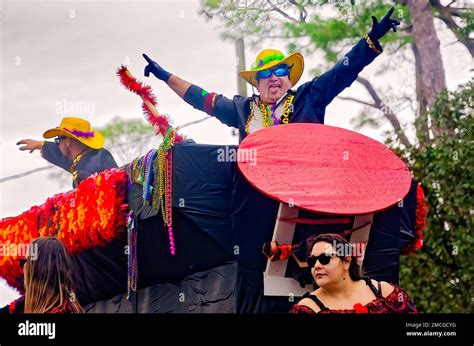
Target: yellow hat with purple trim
[78,129]
[268,58]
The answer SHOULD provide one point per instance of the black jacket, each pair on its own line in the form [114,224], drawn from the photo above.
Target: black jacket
[94,161]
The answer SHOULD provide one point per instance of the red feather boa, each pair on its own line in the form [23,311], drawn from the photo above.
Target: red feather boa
[420,222]
[91,215]
[159,122]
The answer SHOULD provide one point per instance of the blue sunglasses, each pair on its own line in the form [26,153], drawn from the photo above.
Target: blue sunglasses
[279,71]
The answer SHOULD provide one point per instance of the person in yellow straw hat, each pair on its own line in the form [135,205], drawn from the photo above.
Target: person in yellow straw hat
[77,148]
[274,74]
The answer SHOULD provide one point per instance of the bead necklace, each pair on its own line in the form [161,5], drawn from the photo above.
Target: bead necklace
[263,110]
[265,119]
[154,172]
[148,174]
[133,177]
[74,164]
[141,171]
[285,118]
[165,163]
[132,265]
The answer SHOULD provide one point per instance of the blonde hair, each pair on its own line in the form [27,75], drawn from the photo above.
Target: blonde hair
[49,278]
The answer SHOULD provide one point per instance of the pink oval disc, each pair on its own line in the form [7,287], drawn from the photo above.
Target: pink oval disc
[323,169]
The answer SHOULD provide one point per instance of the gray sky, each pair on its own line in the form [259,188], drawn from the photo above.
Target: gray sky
[54,52]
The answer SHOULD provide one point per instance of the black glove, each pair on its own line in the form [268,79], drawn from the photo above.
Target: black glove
[381,28]
[156,69]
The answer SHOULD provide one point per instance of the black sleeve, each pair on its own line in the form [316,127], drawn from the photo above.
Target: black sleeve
[325,88]
[213,104]
[99,162]
[52,154]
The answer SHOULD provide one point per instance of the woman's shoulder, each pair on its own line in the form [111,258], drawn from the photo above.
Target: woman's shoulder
[385,287]
[309,301]
[397,299]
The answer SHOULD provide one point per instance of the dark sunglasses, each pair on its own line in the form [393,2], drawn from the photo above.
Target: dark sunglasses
[279,71]
[323,259]
[58,140]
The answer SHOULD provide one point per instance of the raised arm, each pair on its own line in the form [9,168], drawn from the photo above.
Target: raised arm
[211,103]
[325,88]
[50,152]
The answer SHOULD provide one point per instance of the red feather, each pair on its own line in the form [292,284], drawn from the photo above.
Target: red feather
[159,122]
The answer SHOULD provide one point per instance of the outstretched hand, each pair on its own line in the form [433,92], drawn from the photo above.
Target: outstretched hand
[379,29]
[155,69]
[30,144]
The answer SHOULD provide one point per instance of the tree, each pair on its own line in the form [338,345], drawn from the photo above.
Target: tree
[428,54]
[459,19]
[440,276]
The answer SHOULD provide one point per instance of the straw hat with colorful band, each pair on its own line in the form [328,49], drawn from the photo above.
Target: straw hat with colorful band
[78,129]
[269,58]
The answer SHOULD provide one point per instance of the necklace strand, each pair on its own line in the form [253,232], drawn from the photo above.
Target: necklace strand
[74,164]
[285,118]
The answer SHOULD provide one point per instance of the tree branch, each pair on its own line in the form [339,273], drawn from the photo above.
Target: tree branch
[446,15]
[303,12]
[386,110]
[373,105]
[282,13]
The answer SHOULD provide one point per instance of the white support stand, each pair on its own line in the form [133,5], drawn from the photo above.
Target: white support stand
[362,235]
[274,281]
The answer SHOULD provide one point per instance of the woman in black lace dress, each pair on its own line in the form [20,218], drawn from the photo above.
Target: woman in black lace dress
[342,289]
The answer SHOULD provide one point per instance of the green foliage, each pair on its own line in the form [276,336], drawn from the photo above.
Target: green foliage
[333,35]
[213,3]
[128,138]
[467,23]
[118,127]
[440,276]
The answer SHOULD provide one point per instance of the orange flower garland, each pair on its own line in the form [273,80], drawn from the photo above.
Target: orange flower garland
[91,215]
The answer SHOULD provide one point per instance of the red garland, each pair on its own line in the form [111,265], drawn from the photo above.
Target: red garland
[159,122]
[91,215]
[420,222]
